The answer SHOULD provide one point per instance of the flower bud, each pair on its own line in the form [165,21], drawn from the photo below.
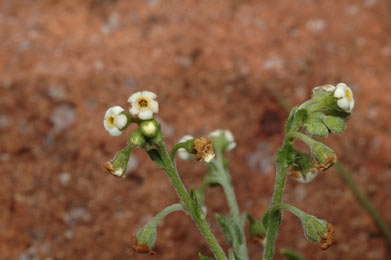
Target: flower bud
[317,230]
[149,128]
[324,155]
[223,139]
[137,139]
[257,230]
[304,170]
[119,165]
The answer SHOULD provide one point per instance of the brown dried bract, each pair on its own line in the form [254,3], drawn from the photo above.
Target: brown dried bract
[330,161]
[204,148]
[328,237]
[259,240]
[141,249]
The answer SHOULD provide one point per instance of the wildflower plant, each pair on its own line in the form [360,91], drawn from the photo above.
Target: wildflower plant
[326,112]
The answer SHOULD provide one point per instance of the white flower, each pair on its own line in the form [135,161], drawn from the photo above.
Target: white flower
[345,97]
[143,105]
[114,120]
[117,172]
[228,138]
[306,178]
[182,153]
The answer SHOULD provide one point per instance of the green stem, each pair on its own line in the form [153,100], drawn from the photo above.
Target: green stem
[185,197]
[162,214]
[364,201]
[295,211]
[225,181]
[279,186]
[175,149]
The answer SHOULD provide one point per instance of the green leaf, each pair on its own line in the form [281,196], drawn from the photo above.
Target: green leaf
[336,125]
[195,203]
[315,127]
[301,116]
[204,257]
[225,225]
[291,254]
[155,156]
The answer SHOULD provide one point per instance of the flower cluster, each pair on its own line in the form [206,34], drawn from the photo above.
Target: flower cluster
[116,120]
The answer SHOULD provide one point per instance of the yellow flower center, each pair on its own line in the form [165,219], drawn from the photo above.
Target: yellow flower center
[142,103]
[349,95]
[111,121]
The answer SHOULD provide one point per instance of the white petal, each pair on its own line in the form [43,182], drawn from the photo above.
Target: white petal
[216,133]
[231,146]
[108,112]
[229,136]
[134,111]
[133,98]
[149,94]
[106,125]
[184,155]
[300,179]
[116,110]
[115,131]
[146,114]
[340,91]
[342,85]
[351,105]
[344,104]
[154,106]
[185,138]
[117,172]
[209,157]
[121,121]
[311,174]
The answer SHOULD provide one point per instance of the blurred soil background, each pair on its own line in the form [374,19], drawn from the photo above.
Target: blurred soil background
[212,64]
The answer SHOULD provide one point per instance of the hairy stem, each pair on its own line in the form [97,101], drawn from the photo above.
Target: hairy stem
[279,186]
[225,181]
[200,221]
[162,214]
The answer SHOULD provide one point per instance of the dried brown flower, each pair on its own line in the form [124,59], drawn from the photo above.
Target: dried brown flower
[204,148]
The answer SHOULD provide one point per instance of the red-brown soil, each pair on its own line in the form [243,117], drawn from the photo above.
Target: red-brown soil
[212,63]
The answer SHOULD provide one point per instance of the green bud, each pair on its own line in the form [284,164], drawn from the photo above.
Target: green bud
[257,230]
[149,128]
[146,237]
[336,125]
[314,228]
[303,169]
[137,139]
[324,155]
[315,127]
[119,164]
